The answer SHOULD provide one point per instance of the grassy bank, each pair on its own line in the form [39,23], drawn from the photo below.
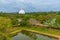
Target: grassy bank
[38,28]
[41,30]
[45,30]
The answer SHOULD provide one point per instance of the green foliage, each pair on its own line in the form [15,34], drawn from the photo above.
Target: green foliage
[25,23]
[42,17]
[14,21]
[8,20]
[5,23]
[58,19]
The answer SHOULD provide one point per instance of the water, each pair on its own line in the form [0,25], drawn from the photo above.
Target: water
[25,35]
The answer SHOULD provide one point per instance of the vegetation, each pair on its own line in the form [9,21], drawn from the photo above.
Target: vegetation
[9,22]
[5,24]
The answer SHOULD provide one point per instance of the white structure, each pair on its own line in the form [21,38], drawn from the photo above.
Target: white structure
[19,20]
[21,11]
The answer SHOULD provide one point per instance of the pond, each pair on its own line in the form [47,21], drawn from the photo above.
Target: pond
[26,35]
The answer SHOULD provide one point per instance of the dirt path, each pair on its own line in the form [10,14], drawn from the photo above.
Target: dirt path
[41,24]
[46,34]
[42,33]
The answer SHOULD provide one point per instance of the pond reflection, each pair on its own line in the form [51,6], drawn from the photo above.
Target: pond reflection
[26,35]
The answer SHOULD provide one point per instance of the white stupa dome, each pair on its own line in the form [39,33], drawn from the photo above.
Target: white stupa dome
[21,11]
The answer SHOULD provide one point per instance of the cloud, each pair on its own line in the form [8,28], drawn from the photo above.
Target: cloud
[29,5]
[4,2]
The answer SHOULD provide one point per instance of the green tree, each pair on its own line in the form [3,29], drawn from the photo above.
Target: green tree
[5,24]
[25,21]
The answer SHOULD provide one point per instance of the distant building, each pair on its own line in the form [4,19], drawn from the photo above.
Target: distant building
[34,21]
[21,11]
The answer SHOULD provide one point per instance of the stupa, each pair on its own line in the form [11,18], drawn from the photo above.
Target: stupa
[21,11]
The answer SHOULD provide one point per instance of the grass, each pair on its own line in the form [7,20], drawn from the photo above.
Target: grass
[44,30]
[36,28]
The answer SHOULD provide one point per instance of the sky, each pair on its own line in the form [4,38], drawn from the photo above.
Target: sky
[29,5]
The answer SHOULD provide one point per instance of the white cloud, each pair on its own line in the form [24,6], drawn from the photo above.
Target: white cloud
[31,4]
[4,2]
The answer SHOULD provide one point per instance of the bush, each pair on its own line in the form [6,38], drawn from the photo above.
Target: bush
[5,23]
